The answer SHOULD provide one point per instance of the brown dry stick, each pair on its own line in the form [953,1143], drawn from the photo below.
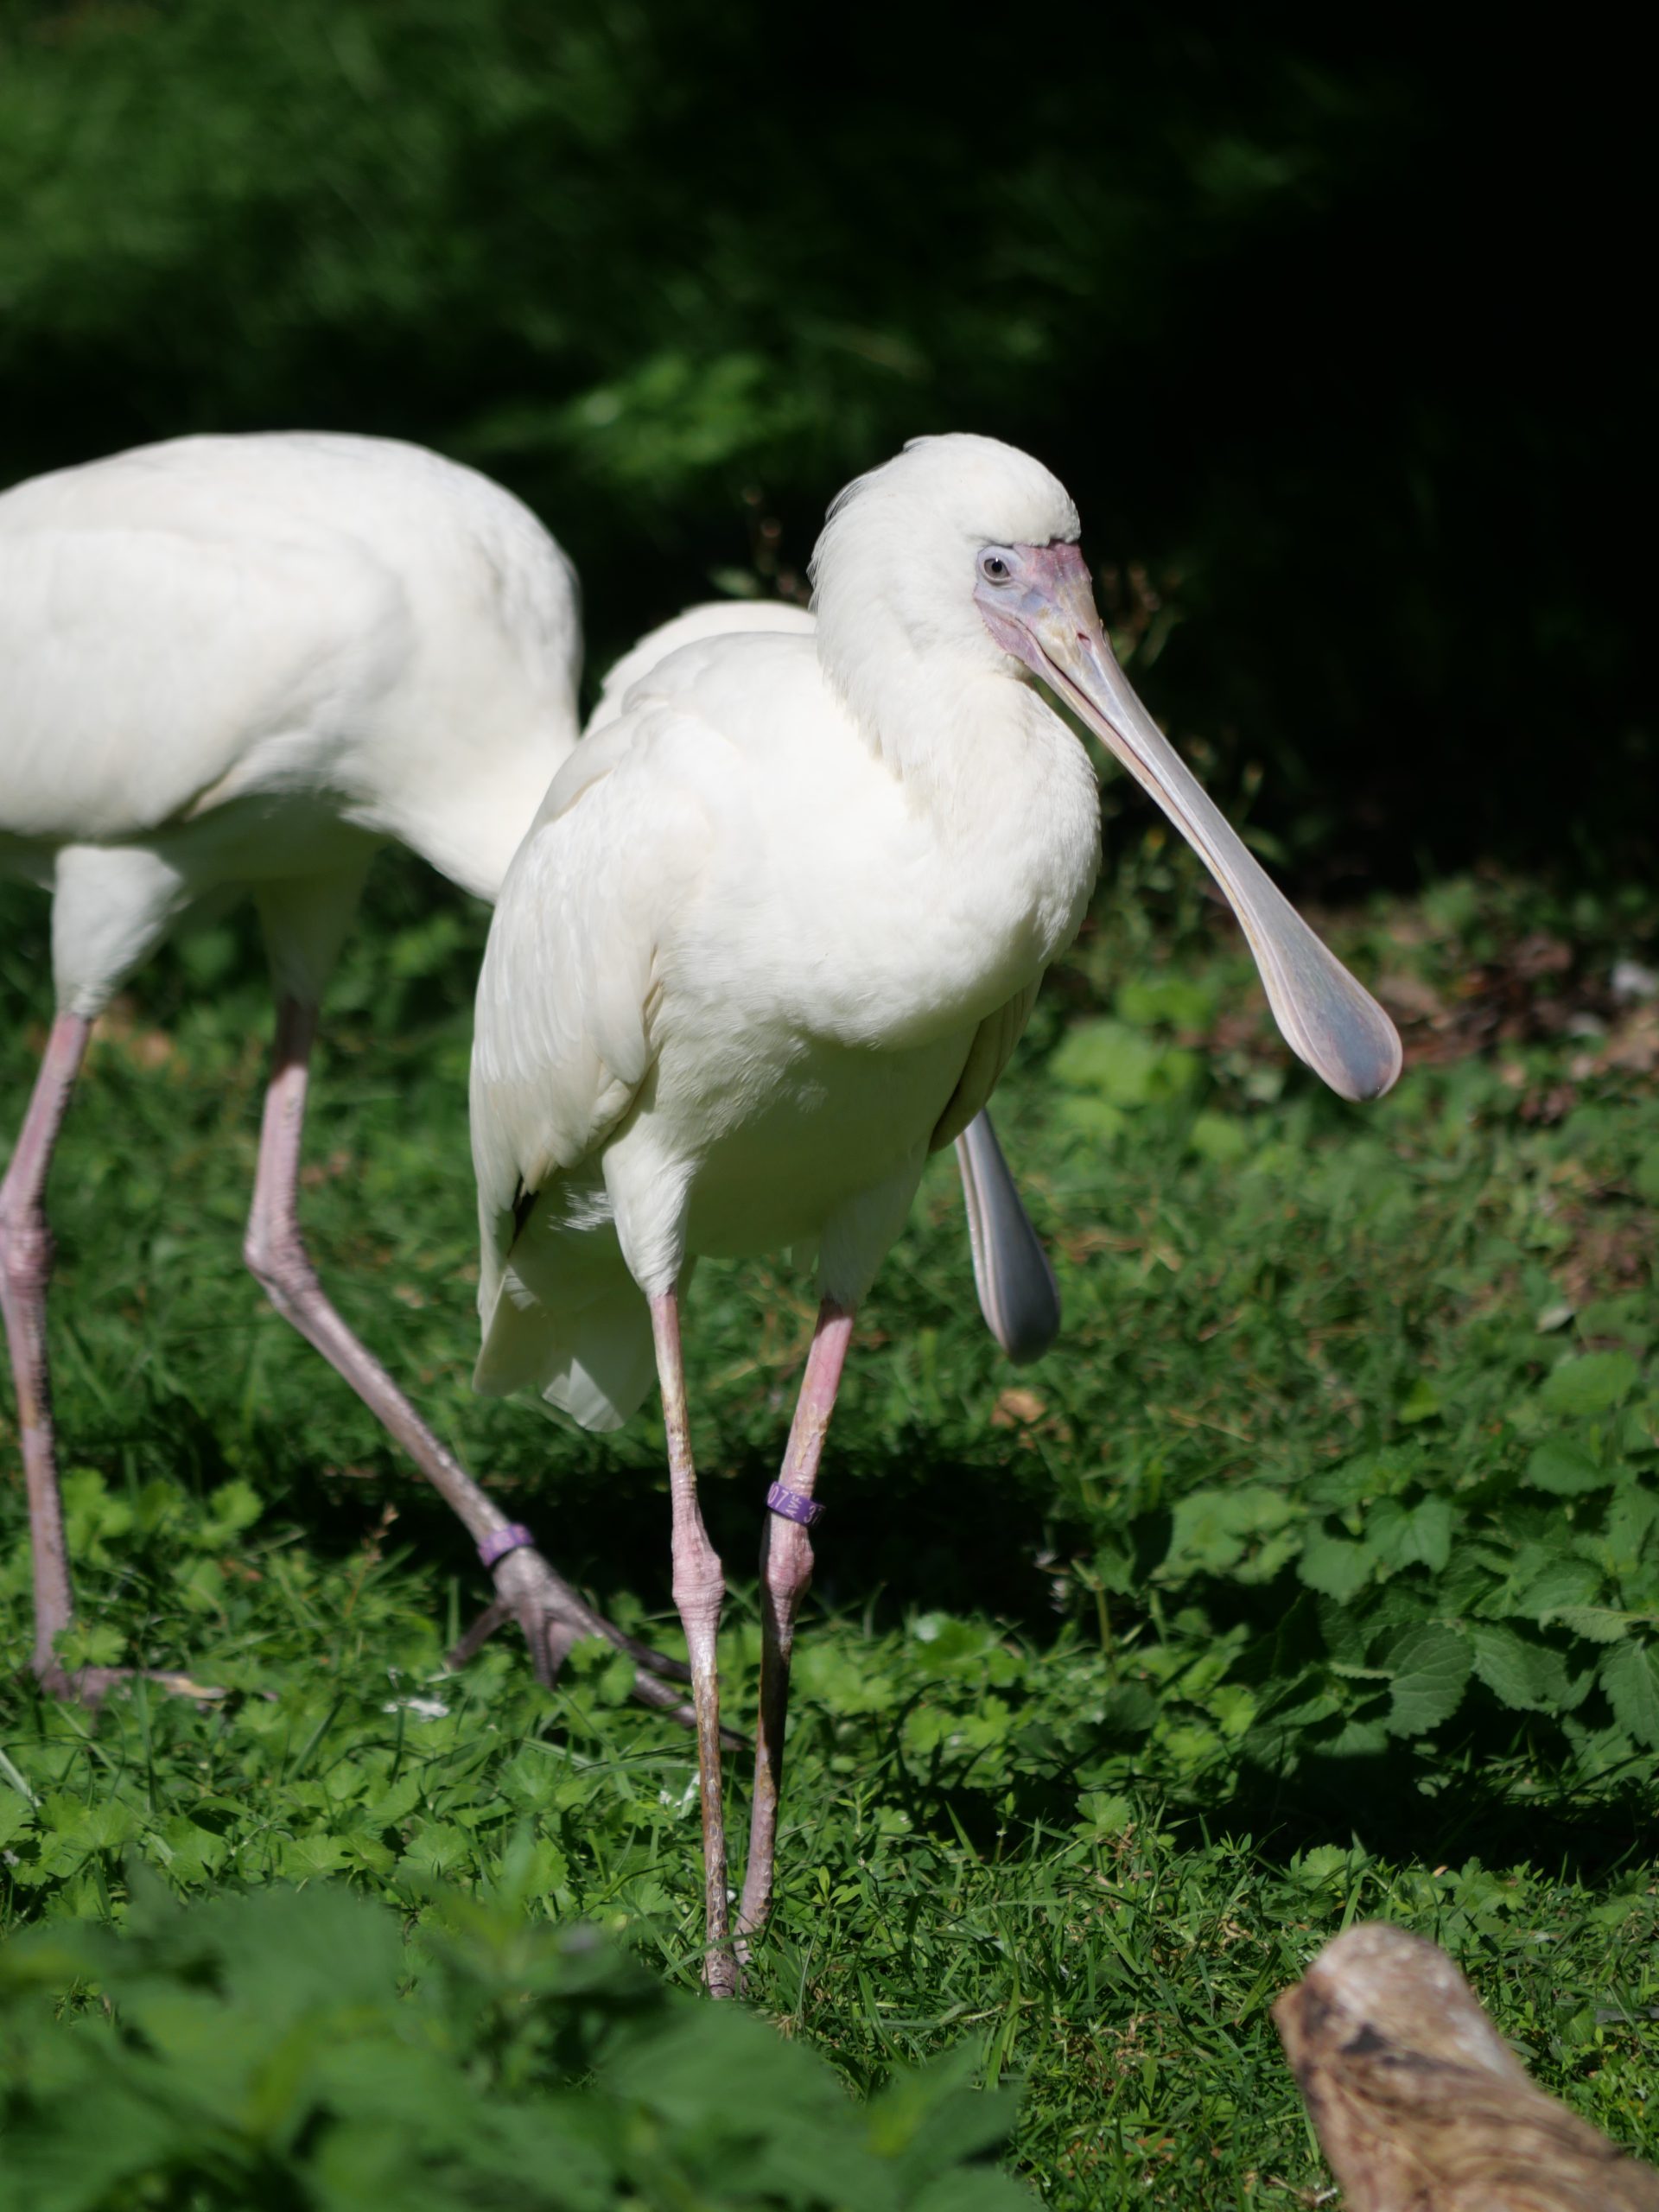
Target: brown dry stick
[1420,2104]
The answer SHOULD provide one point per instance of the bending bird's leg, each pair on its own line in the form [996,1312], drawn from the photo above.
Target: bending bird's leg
[699,1588]
[26,1254]
[785,1576]
[548,1611]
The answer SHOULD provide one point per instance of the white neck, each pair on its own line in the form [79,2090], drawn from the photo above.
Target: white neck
[1008,791]
[963,730]
[468,821]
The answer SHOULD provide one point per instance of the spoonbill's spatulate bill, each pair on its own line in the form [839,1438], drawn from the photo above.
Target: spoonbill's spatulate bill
[1046,616]
[772,938]
[244,664]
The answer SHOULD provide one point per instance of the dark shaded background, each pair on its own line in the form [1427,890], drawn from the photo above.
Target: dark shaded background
[1331,331]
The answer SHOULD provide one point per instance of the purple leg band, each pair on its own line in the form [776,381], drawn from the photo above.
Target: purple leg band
[515,1537]
[792,1506]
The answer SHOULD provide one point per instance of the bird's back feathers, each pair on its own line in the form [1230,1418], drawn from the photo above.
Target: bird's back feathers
[293,617]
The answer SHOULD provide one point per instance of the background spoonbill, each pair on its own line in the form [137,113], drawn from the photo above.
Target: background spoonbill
[773,937]
[244,663]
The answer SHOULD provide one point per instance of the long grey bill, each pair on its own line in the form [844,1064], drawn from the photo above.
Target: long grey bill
[1327,1017]
[1018,1293]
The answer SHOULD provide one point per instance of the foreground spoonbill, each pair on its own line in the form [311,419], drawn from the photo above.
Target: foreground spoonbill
[1018,1294]
[774,933]
[244,664]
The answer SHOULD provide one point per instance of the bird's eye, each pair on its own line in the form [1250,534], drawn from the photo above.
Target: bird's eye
[995,568]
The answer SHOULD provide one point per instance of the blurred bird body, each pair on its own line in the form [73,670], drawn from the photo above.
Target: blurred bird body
[252,660]
[243,664]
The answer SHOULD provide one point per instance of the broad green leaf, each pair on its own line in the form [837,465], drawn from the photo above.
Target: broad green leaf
[190,1854]
[1632,1516]
[1402,1536]
[1104,1814]
[1325,1862]
[438,1848]
[1264,1564]
[1593,1382]
[1357,1738]
[232,1508]
[394,1806]
[1130,1709]
[96,1644]
[1213,1528]
[1596,1624]
[1524,1674]
[1630,1674]
[1122,1066]
[1335,1565]
[1092,1117]
[1561,1582]
[1564,1468]
[1430,1668]
[305,1857]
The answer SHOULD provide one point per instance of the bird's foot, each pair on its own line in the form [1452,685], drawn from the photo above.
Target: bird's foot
[553,1617]
[89,1686]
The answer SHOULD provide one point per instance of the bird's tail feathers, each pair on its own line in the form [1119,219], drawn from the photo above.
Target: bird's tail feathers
[596,1363]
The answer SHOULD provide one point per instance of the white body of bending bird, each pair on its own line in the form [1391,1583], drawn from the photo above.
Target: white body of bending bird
[242,665]
[771,939]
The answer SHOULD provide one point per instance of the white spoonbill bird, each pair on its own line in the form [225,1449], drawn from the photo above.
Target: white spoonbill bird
[244,663]
[772,939]
[1018,1294]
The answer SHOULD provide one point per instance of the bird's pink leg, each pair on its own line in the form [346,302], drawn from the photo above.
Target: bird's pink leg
[26,1254]
[785,1576]
[699,1588]
[550,1612]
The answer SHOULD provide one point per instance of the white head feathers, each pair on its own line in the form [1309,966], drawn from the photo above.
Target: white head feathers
[893,569]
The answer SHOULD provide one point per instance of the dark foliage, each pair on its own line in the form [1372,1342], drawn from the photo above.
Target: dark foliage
[1326,328]
[267,2051]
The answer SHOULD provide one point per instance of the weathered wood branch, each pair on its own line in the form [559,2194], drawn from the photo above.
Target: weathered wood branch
[1420,2104]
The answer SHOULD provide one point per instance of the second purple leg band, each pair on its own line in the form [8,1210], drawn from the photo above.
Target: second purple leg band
[792,1506]
[515,1537]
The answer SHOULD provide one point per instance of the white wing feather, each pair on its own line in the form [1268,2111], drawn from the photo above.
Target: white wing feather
[718,618]
[563,1040]
[145,669]
[350,623]
[989,1053]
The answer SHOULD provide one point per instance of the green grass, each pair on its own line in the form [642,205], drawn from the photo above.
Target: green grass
[1315,1577]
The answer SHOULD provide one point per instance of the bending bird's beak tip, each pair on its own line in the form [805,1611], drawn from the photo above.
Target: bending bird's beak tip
[1328,1018]
[1390,1074]
[1374,1075]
